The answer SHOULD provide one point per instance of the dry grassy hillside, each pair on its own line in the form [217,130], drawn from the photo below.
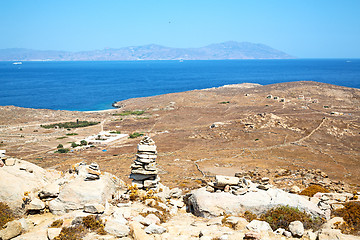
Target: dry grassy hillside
[217,131]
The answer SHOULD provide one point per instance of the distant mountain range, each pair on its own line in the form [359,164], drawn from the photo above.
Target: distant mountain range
[220,51]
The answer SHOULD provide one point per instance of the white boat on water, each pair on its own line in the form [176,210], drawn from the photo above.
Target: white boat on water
[17,63]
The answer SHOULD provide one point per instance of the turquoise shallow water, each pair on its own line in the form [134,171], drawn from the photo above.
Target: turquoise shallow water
[87,86]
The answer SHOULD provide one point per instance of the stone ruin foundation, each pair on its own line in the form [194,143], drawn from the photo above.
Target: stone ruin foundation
[143,170]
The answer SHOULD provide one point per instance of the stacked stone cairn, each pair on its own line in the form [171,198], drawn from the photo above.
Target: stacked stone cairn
[93,172]
[88,172]
[237,185]
[143,170]
[234,185]
[265,184]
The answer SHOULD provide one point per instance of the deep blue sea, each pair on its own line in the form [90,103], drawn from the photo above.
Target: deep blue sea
[87,86]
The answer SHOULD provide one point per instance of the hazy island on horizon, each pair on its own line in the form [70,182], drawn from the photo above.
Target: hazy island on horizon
[221,51]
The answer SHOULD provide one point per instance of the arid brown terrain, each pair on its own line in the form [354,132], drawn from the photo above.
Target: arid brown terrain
[201,133]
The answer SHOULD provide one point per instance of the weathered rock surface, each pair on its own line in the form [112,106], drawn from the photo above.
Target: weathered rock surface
[116,228]
[36,205]
[296,228]
[205,204]
[94,208]
[258,226]
[53,232]
[12,230]
[14,183]
[77,193]
[155,229]
[50,191]
[137,232]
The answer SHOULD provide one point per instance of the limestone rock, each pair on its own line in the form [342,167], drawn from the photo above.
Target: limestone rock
[155,229]
[205,204]
[35,205]
[331,224]
[12,230]
[295,189]
[175,193]
[10,161]
[330,234]
[279,231]
[176,203]
[152,219]
[310,235]
[258,226]
[215,221]
[116,228]
[94,208]
[50,191]
[146,148]
[296,228]
[77,193]
[287,234]
[53,232]
[14,183]
[252,236]
[137,232]
[222,181]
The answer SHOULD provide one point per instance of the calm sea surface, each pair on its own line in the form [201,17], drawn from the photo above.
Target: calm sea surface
[89,86]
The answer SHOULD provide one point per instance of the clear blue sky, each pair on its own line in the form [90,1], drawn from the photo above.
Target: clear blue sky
[303,28]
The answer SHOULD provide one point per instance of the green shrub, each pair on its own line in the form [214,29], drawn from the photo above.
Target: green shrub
[126,113]
[60,146]
[6,215]
[281,217]
[74,145]
[71,134]
[69,125]
[62,150]
[224,102]
[312,190]
[135,135]
[83,143]
[115,132]
[61,137]
[351,215]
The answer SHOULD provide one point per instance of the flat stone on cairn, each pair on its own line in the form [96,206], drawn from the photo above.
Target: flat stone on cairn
[143,169]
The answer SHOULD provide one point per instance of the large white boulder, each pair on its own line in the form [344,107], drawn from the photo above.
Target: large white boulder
[77,193]
[20,179]
[205,204]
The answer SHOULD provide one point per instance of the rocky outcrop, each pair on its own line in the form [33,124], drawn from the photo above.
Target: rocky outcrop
[206,204]
[77,193]
[17,181]
[12,229]
[131,213]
